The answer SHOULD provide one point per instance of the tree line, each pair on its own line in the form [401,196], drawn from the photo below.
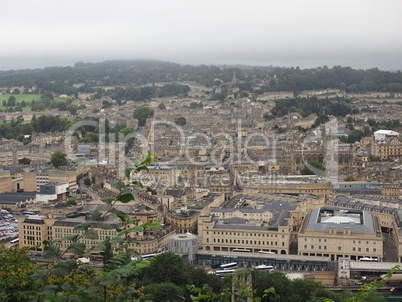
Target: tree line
[62,80]
[143,93]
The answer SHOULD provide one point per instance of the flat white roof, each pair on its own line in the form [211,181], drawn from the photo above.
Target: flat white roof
[386,132]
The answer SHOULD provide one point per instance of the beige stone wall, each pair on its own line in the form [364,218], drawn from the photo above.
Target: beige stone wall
[29,182]
[31,234]
[6,184]
[255,240]
[181,224]
[346,244]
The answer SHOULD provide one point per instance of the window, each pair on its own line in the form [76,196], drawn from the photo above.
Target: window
[367,249]
[339,248]
[312,247]
[354,249]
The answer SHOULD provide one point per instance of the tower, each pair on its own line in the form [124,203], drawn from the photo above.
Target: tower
[289,132]
[324,144]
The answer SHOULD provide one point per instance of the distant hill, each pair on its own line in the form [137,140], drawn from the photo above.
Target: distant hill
[61,80]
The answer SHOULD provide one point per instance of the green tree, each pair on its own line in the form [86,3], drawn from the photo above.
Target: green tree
[72,108]
[62,106]
[268,117]
[20,137]
[325,110]
[4,103]
[181,121]
[195,105]
[72,202]
[47,95]
[350,178]
[87,181]
[24,161]
[166,291]
[127,130]
[162,106]
[11,101]
[141,113]
[199,276]
[107,256]
[311,167]
[23,104]
[38,107]
[166,267]
[58,159]
[16,269]
[194,228]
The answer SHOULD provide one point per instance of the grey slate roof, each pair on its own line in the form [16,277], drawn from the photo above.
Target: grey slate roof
[14,198]
[366,227]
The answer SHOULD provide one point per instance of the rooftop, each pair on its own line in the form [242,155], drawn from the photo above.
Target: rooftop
[358,221]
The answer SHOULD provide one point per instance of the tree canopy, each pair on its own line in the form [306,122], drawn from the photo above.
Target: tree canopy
[181,121]
[315,164]
[141,113]
[166,267]
[58,159]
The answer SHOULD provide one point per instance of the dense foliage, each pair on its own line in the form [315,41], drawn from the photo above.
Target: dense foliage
[141,113]
[58,159]
[313,167]
[61,80]
[307,106]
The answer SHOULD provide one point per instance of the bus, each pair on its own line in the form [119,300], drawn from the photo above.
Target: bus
[367,259]
[229,266]
[149,256]
[265,252]
[14,242]
[264,267]
[241,250]
[29,213]
[97,258]
[225,272]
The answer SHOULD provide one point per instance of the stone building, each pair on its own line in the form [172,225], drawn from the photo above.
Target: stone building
[340,233]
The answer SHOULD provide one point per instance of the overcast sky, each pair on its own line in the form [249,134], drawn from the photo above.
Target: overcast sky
[305,33]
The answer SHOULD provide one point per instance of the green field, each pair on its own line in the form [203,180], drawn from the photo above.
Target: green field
[27,98]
